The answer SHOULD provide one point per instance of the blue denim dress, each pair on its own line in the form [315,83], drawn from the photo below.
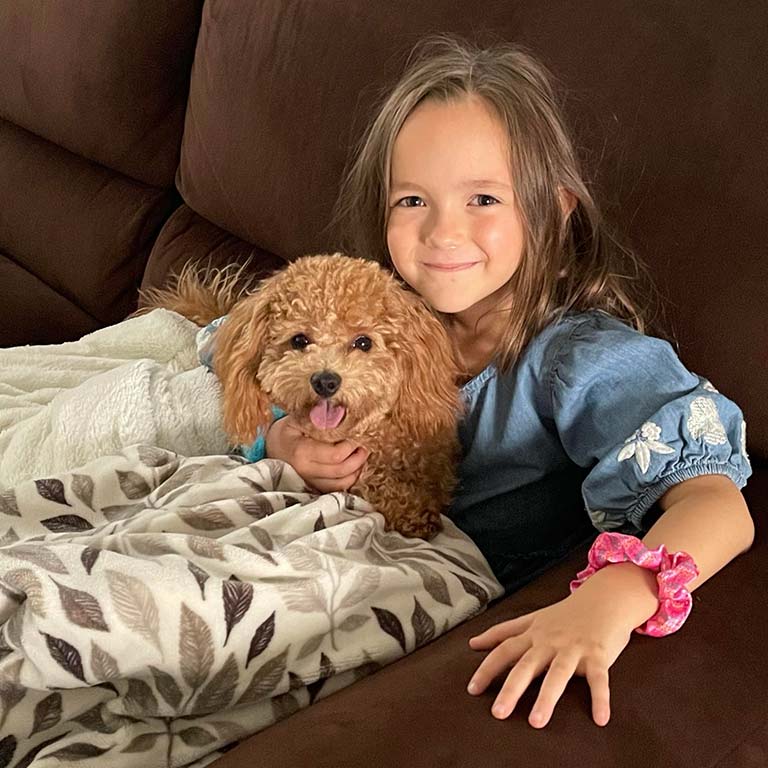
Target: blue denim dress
[587,431]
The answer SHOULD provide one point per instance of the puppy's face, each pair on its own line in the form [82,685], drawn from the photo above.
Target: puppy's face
[330,356]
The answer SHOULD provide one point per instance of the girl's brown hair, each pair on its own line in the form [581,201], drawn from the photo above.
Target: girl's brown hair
[568,263]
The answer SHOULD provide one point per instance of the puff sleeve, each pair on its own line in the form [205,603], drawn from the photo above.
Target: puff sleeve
[626,408]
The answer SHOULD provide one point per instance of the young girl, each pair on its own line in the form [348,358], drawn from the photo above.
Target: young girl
[467,185]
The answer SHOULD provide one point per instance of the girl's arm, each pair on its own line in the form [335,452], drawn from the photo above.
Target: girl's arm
[706,517]
[584,633]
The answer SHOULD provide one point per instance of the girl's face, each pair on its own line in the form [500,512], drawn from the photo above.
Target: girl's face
[454,232]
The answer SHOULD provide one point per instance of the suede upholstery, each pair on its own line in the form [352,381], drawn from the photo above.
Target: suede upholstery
[668,102]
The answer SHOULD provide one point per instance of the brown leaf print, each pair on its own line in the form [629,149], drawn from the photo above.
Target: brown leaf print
[390,624]
[206,547]
[78,751]
[258,487]
[52,489]
[11,692]
[150,456]
[103,665]
[32,754]
[119,512]
[9,537]
[237,598]
[135,605]
[217,695]
[472,588]
[82,487]
[8,504]
[167,687]
[100,719]
[433,582]
[422,623]
[34,553]
[284,706]
[265,679]
[261,638]
[47,713]
[177,482]
[200,576]
[81,608]
[256,506]
[195,648]
[196,737]
[139,699]
[319,523]
[66,523]
[65,655]
[25,580]
[133,485]
[311,645]
[206,518]
[88,558]
[353,622]
[151,545]
[326,670]
[7,748]
[143,742]
[262,537]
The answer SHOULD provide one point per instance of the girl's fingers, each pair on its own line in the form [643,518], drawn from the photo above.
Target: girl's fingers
[330,485]
[500,632]
[597,678]
[530,665]
[560,671]
[497,661]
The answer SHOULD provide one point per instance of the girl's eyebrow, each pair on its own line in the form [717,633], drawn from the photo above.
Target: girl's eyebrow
[465,184]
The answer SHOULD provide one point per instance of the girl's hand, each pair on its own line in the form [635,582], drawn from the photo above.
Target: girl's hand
[326,467]
[582,634]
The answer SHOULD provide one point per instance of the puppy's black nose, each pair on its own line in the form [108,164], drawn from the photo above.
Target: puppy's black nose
[325,383]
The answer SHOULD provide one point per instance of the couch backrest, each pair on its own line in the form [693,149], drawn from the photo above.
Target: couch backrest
[668,102]
[92,103]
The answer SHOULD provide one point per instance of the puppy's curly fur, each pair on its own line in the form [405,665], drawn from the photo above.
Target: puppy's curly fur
[332,336]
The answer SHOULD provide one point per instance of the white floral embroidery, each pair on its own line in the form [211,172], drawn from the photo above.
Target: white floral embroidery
[744,439]
[641,443]
[704,422]
[706,385]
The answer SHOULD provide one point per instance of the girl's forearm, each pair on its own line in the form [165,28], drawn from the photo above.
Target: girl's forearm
[706,517]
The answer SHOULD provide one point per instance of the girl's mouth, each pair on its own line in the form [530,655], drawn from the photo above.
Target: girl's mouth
[449,267]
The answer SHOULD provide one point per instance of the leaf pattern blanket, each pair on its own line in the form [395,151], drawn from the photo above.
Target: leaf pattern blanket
[156,609]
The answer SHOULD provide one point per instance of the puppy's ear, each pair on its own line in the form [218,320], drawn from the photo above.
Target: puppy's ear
[240,344]
[429,399]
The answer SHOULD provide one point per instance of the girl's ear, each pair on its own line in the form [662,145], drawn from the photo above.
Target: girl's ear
[567,201]
[240,344]
[429,398]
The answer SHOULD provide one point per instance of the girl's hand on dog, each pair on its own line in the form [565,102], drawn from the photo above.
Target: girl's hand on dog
[327,467]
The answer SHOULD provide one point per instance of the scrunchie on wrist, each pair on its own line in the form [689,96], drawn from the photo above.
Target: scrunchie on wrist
[673,573]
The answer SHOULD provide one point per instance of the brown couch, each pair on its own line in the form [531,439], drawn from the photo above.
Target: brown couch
[135,135]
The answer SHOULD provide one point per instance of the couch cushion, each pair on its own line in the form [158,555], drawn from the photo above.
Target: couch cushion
[107,80]
[79,228]
[187,237]
[33,313]
[662,99]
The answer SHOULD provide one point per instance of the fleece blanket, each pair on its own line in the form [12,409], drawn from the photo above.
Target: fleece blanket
[155,609]
[138,381]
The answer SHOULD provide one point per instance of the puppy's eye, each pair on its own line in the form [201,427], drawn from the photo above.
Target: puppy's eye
[363,343]
[300,341]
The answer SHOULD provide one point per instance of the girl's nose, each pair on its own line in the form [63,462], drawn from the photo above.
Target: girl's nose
[444,231]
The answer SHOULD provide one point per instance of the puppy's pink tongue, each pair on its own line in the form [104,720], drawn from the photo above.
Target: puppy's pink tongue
[327,416]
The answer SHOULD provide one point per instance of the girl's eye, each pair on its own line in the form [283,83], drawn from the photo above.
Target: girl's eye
[411,201]
[485,200]
[362,343]
[300,341]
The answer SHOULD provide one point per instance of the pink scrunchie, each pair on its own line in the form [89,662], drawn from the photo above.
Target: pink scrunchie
[673,573]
